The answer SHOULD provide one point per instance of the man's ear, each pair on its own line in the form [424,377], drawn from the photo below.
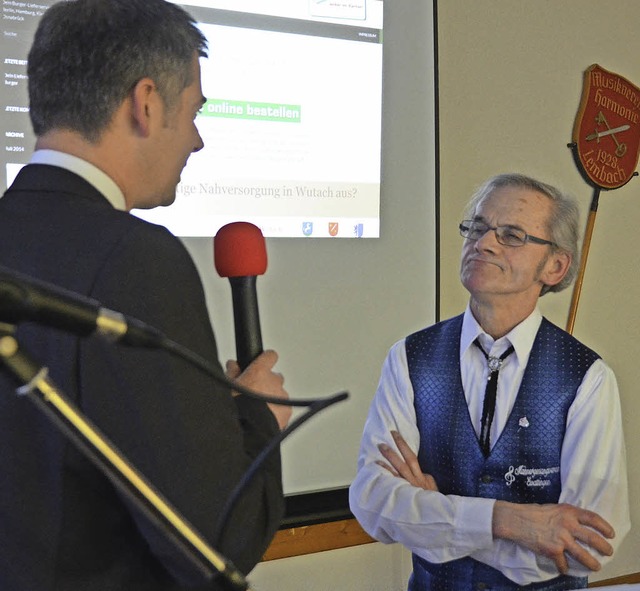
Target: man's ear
[556,268]
[144,97]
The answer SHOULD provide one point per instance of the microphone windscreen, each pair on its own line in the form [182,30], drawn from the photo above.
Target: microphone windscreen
[239,250]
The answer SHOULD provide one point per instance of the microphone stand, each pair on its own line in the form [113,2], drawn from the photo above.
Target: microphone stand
[70,421]
[80,315]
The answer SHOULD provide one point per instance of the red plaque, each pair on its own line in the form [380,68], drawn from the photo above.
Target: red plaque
[606,133]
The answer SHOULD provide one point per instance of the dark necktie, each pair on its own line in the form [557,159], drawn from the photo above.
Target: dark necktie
[489,405]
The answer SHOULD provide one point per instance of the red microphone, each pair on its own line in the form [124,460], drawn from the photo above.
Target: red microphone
[240,254]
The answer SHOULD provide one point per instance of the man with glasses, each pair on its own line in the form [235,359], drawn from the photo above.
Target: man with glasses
[493,449]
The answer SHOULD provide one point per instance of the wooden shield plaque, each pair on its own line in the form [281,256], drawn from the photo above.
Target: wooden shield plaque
[606,133]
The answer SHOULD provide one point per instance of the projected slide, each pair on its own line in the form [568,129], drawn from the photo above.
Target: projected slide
[291,125]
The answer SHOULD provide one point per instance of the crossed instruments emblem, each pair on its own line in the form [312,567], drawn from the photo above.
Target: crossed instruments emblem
[621,148]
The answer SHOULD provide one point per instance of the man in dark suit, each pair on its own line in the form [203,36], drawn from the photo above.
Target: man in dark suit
[114,88]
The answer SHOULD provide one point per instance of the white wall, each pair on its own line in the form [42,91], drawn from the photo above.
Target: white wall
[333,307]
[372,567]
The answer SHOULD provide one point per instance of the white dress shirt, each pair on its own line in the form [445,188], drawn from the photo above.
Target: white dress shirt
[90,173]
[439,527]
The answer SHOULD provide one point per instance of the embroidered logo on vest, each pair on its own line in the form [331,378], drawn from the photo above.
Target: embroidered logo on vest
[535,476]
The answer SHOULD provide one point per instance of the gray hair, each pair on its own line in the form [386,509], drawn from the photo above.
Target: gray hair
[562,224]
[87,56]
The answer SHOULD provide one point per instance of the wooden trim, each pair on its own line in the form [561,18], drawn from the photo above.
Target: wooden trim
[624,580]
[308,539]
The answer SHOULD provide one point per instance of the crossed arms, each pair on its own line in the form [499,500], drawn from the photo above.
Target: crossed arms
[548,530]
[395,502]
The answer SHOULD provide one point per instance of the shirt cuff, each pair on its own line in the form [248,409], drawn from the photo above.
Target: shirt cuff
[474,520]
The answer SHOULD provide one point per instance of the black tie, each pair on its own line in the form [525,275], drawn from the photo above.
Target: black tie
[489,405]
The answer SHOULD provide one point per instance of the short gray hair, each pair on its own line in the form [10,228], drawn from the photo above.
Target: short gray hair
[562,224]
[87,56]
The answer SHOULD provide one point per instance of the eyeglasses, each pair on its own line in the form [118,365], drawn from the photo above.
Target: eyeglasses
[506,235]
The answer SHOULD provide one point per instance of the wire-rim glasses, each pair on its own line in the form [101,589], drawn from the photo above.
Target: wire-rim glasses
[505,235]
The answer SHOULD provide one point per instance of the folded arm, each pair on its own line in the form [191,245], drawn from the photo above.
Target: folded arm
[394,501]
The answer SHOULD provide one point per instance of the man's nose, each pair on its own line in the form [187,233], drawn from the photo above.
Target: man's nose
[488,241]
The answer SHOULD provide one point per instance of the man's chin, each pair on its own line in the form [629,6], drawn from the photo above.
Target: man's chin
[476,279]
[159,202]
[169,201]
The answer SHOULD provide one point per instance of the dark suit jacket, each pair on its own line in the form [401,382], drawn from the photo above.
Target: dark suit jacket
[63,526]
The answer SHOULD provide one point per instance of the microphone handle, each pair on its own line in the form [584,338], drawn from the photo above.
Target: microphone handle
[246,319]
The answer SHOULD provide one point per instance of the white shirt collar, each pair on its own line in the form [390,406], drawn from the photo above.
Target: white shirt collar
[90,173]
[521,336]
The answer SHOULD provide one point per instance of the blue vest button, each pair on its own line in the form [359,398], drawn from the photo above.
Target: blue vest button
[486,479]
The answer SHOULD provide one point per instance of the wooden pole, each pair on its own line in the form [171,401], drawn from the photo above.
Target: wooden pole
[586,244]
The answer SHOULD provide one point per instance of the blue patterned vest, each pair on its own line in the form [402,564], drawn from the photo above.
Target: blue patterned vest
[524,464]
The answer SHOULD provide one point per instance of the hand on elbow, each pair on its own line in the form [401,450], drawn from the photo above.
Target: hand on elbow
[555,531]
[405,464]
